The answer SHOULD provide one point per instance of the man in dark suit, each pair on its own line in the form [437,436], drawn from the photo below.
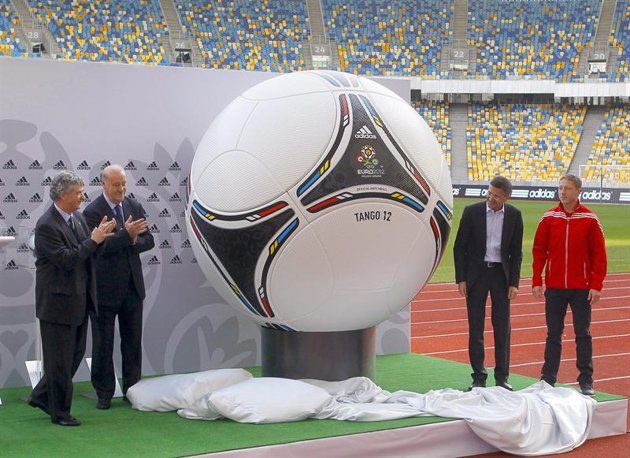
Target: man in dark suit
[64,292]
[488,255]
[120,287]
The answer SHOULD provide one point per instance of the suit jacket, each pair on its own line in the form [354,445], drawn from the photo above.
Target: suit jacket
[118,263]
[470,244]
[65,273]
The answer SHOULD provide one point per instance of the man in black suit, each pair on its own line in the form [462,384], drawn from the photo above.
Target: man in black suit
[64,292]
[120,287]
[488,255]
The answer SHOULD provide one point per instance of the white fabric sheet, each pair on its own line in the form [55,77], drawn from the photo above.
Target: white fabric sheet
[538,420]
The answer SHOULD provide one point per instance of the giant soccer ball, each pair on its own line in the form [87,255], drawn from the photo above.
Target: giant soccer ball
[319,201]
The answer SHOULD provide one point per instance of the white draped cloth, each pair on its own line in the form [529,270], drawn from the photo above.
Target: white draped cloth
[537,420]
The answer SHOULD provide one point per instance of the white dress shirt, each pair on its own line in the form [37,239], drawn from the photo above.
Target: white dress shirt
[494,230]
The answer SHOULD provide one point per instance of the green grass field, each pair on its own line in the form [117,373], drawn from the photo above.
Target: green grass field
[615,220]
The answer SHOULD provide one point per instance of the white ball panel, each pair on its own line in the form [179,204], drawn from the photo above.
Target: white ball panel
[365,254]
[445,186]
[414,268]
[221,136]
[294,295]
[291,147]
[237,181]
[413,134]
[287,85]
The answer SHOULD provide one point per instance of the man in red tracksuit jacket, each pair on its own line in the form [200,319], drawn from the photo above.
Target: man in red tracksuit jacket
[569,243]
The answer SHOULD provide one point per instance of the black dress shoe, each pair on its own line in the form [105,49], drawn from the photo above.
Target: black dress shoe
[103,403]
[37,404]
[477,384]
[66,421]
[505,385]
[587,389]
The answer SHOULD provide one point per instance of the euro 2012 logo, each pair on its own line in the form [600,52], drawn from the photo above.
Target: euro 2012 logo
[367,157]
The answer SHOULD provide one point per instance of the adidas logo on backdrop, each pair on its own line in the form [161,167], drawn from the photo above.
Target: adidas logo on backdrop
[174,166]
[59,166]
[175,229]
[1,216]
[9,165]
[23,248]
[83,166]
[96,181]
[364,132]
[46,181]
[176,260]
[11,265]
[164,214]
[36,198]
[142,182]
[130,166]
[10,232]
[153,166]
[23,215]
[153,261]
[153,198]
[22,182]
[185,244]
[35,165]
[154,229]
[175,198]
[105,164]
[131,195]
[10,199]
[165,244]
[164,182]
[184,182]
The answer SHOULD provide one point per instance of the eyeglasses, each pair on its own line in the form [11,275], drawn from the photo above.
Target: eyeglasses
[494,196]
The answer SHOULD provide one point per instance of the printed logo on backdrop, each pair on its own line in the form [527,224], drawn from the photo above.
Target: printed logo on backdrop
[176,229]
[84,166]
[9,165]
[176,260]
[60,165]
[153,166]
[35,165]
[9,232]
[10,199]
[153,261]
[142,182]
[164,245]
[164,182]
[1,182]
[11,265]
[46,181]
[130,166]
[131,195]
[23,248]
[1,215]
[185,244]
[36,198]
[105,164]
[174,167]
[153,229]
[184,182]
[96,181]
[175,198]
[23,215]
[164,213]
[153,198]
[22,182]
[86,198]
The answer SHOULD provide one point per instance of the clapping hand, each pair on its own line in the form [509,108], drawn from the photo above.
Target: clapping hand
[103,230]
[134,228]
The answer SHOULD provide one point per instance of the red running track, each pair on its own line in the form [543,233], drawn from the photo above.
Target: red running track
[439,328]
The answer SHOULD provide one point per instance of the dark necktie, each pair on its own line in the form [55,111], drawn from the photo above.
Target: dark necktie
[119,215]
[73,227]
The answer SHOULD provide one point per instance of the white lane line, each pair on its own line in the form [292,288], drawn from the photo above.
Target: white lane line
[488,305]
[522,345]
[521,288]
[488,318]
[537,363]
[526,283]
[602,379]
[518,303]
[529,328]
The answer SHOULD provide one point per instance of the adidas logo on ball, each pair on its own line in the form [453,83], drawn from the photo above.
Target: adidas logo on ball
[364,132]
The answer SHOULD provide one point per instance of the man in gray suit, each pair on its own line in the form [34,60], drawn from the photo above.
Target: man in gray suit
[65,289]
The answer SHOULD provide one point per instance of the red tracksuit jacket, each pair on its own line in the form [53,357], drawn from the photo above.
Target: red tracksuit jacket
[572,245]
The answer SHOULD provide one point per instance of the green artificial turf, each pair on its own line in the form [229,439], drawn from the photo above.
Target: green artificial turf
[122,431]
[615,220]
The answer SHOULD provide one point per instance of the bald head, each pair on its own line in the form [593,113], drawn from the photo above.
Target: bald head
[114,182]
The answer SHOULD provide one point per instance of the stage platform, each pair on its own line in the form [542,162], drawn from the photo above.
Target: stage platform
[122,431]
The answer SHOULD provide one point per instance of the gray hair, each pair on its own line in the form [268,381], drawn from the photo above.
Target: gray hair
[503,184]
[64,183]
[111,168]
[573,179]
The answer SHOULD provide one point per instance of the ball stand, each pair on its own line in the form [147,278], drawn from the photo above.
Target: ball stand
[330,356]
